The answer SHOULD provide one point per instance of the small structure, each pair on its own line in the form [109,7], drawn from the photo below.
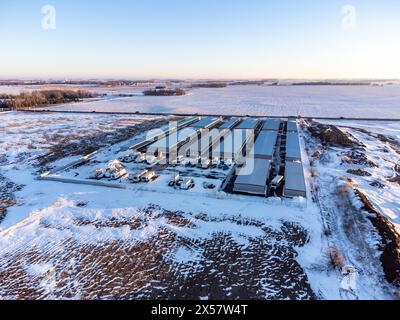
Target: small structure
[293,152]
[295,185]
[252,178]
[115,170]
[97,173]
[148,176]
[187,183]
[271,125]
[204,163]
[137,177]
[175,178]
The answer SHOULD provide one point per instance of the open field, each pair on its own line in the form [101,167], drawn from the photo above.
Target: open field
[157,242]
[313,101]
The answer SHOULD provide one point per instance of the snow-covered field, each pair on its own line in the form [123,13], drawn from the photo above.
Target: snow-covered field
[86,242]
[313,101]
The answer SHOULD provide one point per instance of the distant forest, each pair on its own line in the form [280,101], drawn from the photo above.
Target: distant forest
[35,99]
[164,92]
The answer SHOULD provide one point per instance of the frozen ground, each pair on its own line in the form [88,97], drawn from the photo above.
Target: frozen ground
[313,101]
[74,241]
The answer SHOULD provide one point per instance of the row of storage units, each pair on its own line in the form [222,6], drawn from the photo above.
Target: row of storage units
[252,178]
[295,185]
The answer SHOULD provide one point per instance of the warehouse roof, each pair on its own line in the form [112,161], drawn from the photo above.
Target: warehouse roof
[292,126]
[294,177]
[230,145]
[271,124]
[228,124]
[248,124]
[205,122]
[265,144]
[175,137]
[258,172]
[293,146]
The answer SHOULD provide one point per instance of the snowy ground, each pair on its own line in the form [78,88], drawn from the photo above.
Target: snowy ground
[314,101]
[76,241]
[385,154]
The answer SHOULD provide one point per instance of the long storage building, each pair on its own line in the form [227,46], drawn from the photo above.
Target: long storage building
[229,124]
[264,147]
[206,123]
[271,125]
[293,152]
[229,147]
[172,141]
[292,126]
[252,178]
[248,124]
[295,185]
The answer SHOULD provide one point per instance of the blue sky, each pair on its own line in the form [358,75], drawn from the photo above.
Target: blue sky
[200,39]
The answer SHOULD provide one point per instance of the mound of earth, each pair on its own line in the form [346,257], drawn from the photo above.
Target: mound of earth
[330,135]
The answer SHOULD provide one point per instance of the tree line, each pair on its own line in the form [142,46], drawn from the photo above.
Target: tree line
[42,98]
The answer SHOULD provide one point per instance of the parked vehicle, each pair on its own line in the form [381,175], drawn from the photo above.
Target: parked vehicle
[174,179]
[137,177]
[141,157]
[97,174]
[128,158]
[276,183]
[115,170]
[151,159]
[204,163]
[187,184]
[148,176]
[207,185]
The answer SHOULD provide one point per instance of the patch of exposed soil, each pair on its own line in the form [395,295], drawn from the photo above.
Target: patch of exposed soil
[7,198]
[357,157]
[390,243]
[219,266]
[359,172]
[330,135]
[66,148]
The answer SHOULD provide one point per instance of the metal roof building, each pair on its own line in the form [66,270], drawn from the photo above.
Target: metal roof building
[292,126]
[271,124]
[206,123]
[229,124]
[229,147]
[264,147]
[201,146]
[295,185]
[249,124]
[252,178]
[293,152]
[173,140]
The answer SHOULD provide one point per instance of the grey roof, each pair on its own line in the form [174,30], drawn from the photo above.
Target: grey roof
[205,122]
[294,177]
[292,126]
[293,151]
[173,139]
[248,124]
[271,124]
[265,144]
[259,172]
[228,124]
[229,146]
